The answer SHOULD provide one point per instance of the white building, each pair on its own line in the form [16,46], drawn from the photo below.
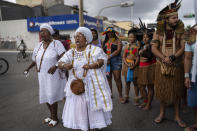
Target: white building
[15,30]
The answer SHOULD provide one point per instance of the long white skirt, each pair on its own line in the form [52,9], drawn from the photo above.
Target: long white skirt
[51,87]
[77,114]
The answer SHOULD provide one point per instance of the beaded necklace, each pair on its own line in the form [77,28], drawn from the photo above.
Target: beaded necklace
[109,44]
[38,70]
[85,71]
[132,50]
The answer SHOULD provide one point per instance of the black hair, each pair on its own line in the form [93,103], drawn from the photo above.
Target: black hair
[56,32]
[94,30]
[133,31]
[107,38]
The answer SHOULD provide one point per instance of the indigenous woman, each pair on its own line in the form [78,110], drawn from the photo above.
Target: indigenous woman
[112,47]
[88,97]
[190,72]
[146,69]
[51,80]
[96,41]
[129,70]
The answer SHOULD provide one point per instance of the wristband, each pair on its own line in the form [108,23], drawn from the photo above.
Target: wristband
[172,57]
[186,75]
[110,55]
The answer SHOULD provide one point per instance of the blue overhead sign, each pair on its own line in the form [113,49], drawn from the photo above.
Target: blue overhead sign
[63,22]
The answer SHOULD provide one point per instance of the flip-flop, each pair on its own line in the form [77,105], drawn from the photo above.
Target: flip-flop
[52,123]
[122,100]
[46,120]
[158,120]
[191,128]
[146,108]
[137,104]
[141,105]
[180,123]
[126,99]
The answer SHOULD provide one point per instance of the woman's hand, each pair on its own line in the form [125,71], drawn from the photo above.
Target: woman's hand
[127,64]
[52,70]
[131,65]
[26,70]
[63,66]
[86,67]
[187,82]
[108,61]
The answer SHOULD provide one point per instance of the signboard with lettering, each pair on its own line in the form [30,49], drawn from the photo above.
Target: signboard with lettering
[63,22]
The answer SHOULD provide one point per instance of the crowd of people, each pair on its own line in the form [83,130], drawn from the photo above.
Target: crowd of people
[157,62]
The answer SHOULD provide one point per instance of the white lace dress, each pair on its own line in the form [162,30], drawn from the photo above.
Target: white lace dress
[51,87]
[93,108]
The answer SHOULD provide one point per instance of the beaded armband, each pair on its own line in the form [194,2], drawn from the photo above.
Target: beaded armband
[153,42]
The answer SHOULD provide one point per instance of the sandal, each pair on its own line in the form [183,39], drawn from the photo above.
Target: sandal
[180,123]
[136,104]
[158,120]
[136,99]
[46,120]
[146,108]
[52,123]
[126,99]
[191,128]
[141,105]
[122,100]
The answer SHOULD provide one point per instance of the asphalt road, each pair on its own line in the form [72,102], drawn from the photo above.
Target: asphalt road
[20,109]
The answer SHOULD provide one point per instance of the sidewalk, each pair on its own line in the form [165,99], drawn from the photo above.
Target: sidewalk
[13,51]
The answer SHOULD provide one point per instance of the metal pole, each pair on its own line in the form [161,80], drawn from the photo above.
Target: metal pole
[98,23]
[0,14]
[132,22]
[81,20]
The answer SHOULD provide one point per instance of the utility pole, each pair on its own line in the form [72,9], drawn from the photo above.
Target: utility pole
[81,21]
[0,14]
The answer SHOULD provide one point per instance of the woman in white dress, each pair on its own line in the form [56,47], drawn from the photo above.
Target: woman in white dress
[51,81]
[92,108]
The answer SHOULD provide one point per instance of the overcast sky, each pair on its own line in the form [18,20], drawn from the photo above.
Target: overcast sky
[147,10]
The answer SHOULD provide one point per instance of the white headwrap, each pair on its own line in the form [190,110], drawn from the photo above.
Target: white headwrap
[48,27]
[86,32]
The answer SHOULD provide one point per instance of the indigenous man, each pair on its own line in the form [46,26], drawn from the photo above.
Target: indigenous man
[168,46]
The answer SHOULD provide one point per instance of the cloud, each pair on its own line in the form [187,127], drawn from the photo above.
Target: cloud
[14,1]
[147,10]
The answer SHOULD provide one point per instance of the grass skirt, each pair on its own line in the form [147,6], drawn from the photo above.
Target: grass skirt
[135,72]
[146,75]
[169,88]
